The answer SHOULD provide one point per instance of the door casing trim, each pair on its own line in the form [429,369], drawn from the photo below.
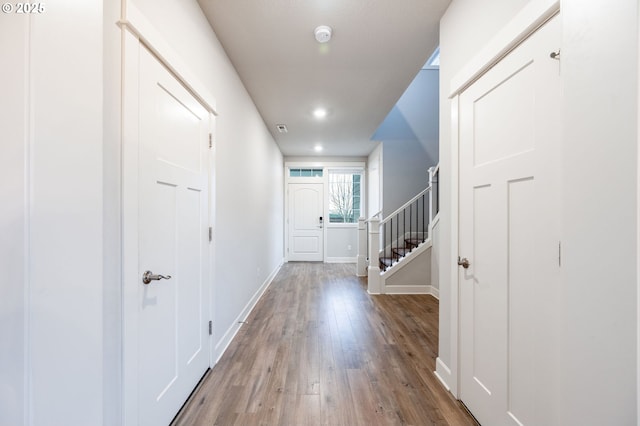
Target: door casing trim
[137,34]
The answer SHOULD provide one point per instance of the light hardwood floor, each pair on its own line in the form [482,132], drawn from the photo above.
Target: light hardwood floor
[319,350]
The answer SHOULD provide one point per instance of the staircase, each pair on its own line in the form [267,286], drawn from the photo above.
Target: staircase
[397,253]
[388,247]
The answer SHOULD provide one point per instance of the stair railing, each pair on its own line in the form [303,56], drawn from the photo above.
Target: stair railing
[404,229]
[394,237]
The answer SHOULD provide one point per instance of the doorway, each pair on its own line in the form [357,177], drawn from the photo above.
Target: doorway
[306,222]
[167,248]
[509,168]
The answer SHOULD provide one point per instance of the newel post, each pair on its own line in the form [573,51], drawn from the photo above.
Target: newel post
[361,265]
[373,276]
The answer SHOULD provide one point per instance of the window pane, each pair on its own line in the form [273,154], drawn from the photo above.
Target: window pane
[305,172]
[344,197]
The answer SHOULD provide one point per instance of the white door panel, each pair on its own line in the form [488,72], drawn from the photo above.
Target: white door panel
[173,349]
[509,179]
[305,221]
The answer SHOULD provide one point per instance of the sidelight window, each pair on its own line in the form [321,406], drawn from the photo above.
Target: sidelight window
[345,196]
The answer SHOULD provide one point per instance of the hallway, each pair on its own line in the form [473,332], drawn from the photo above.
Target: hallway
[318,350]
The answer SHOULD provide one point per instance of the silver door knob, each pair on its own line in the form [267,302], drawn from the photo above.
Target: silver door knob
[149,276]
[464,262]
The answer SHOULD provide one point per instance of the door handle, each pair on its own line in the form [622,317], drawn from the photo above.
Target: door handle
[149,276]
[464,262]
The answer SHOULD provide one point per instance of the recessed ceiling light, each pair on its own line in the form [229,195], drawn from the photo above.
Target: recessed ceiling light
[320,113]
[317,148]
[282,128]
[323,33]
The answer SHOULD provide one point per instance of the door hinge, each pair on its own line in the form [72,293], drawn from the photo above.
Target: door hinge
[210,234]
[210,328]
[210,140]
[560,253]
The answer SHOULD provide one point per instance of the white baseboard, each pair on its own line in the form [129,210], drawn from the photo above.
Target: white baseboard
[406,289]
[443,373]
[340,260]
[228,336]
[434,292]
[412,289]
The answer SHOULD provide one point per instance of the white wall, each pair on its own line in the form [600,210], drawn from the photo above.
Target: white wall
[52,119]
[248,231]
[417,274]
[599,226]
[112,217]
[597,350]
[419,105]
[405,172]
[342,243]
[415,115]
[14,217]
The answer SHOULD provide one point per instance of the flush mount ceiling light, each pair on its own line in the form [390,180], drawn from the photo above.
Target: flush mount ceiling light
[317,148]
[322,33]
[320,113]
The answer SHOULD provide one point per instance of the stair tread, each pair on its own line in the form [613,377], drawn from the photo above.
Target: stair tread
[402,251]
[415,242]
[387,261]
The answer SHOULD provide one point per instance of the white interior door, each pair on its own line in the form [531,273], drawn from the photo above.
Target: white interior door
[510,135]
[306,210]
[173,313]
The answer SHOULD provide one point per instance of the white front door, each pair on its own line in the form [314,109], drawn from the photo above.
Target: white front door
[510,136]
[173,313]
[306,221]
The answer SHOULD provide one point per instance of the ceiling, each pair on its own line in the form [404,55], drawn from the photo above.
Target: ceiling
[377,48]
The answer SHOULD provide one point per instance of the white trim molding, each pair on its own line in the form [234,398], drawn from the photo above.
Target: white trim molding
[532,17]
[452,377]
[134,21]
[443,373]
[340,260]
[638,237]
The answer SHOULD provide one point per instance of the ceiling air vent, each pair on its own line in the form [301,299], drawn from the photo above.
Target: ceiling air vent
[282,128]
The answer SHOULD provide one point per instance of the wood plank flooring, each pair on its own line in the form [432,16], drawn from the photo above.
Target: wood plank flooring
[319,350]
